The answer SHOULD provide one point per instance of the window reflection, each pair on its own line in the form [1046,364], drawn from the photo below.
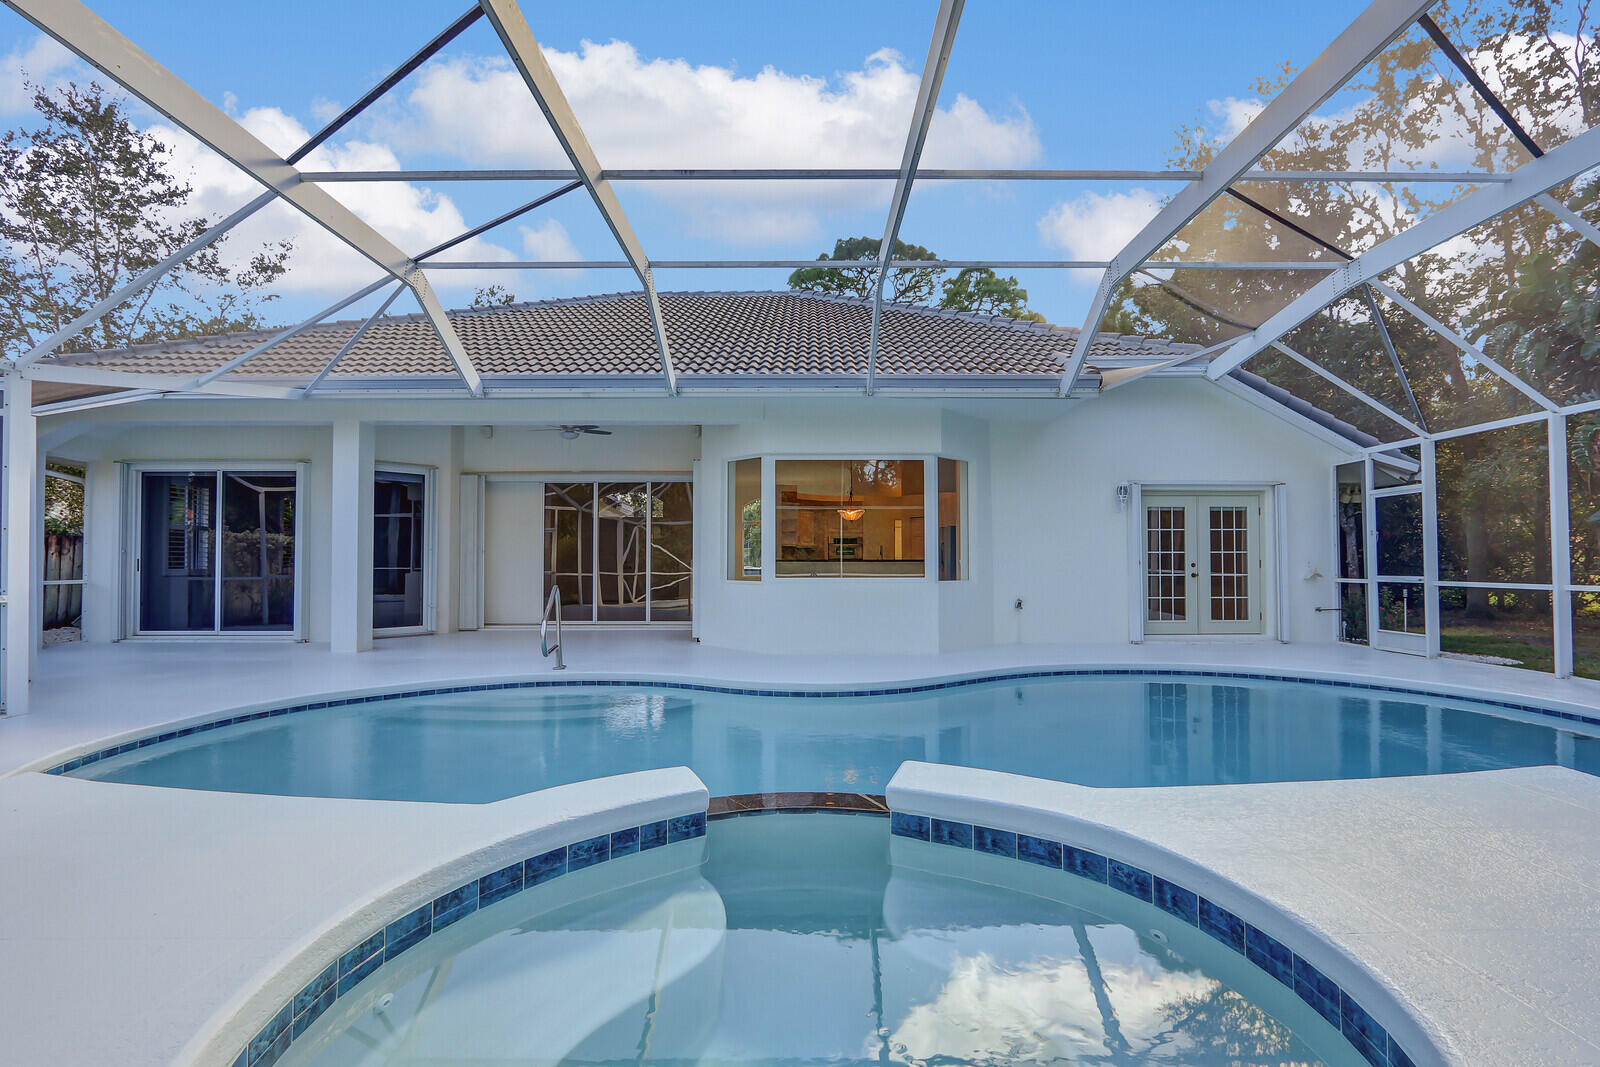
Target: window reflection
[850,518]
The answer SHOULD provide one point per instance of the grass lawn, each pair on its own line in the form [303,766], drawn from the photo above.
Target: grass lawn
[1524,638]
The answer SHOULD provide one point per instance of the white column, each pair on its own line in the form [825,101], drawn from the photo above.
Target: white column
[1560,547]
[20,506]
[1430,546]
[350,519]
[103,568]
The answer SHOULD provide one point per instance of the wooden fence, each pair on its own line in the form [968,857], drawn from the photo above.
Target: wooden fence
[63,562]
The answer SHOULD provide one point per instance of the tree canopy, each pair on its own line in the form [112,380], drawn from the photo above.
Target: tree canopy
[977,289]
[88,200]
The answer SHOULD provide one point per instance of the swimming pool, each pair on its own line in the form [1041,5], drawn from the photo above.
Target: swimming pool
[1094,729]
[798,942]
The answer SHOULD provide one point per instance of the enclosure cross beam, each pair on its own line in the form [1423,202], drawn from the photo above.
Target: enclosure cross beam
[1369,34]
[944,38]
[525,53]
[1527,182]
[97,43]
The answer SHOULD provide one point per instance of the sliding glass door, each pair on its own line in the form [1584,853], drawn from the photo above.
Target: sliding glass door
[400,595]
[620,551]
[216,551]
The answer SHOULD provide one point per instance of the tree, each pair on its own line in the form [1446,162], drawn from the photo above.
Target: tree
[981,290]
[976,289]
[1523,287]
[493,296]
[87,201]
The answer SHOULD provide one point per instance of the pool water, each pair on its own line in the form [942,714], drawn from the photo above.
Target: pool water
[1094,730]
[797,942]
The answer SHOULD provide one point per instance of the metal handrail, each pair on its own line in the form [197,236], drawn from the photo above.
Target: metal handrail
[544,627]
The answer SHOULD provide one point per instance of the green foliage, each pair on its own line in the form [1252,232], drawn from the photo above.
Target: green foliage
[87,201]
[976,289]
[493,296]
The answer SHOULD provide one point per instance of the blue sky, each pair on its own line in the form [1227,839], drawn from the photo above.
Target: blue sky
[1047,84]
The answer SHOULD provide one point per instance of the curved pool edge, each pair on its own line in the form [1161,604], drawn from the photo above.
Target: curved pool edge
[1244,847]
[1546,711]
[263,1016]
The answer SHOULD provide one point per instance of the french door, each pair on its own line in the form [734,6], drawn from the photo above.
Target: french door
[1203,563]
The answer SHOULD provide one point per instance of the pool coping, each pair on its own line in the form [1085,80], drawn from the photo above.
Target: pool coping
[263,1019]
[73,758]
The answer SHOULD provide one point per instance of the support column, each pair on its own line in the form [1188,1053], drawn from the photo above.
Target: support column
[1430,545]
[350,516]
[20,506]
[1560,547]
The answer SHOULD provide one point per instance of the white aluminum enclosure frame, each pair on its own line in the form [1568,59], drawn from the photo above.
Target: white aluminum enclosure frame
[132,534]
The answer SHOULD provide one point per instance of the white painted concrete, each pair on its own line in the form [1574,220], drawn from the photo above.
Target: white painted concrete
[1457,909]
[350,537]
[177,922]
[21,502]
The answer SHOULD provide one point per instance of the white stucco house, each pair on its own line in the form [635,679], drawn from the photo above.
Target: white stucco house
[768,505]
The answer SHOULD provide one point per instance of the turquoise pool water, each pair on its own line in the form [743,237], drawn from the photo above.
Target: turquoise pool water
[1120,730]
[798,943]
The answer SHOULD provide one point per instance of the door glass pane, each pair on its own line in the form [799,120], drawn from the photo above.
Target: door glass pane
[1400,607]
[569,546]
[177,561]
[1399,521]
[397,544]
[258,550]
[1166,549]
[671,550]
[1230,563]
[1353,612]
[952,547]
[620,556]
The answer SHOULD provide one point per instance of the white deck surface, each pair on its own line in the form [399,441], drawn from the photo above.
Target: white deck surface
[139,923]
[132,911]
[1471,900]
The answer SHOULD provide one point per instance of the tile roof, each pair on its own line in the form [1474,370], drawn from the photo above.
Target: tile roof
[712,334]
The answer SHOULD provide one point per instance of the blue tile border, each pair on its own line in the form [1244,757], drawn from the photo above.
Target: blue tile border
[1325,997]
[163,735]
[410,929]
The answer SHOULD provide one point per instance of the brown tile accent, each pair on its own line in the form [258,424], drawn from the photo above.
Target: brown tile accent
[744,802]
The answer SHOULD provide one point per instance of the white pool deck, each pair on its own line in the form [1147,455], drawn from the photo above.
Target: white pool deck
[129,916]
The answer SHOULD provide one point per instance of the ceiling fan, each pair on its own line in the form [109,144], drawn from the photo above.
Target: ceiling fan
[572,433]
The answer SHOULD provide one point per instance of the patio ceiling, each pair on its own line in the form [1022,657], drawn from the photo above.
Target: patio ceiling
[1242,244]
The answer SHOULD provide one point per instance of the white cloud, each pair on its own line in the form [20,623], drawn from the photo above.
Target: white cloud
[411,217]
[1098,225]
[39,62]
[548,241]
[641,112]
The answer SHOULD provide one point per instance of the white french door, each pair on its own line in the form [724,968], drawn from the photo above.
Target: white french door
[1203,563]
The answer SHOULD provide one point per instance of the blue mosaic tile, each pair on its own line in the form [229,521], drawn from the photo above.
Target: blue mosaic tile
[1270,954]
[456,904]
[243,1060]
[313,1011]
[625,842]
[268,1036]
[407,930]
[1082,862]
[1317,990]
[945,832]
[995,842]
[499,885]
[1222,924]
[1039,850]
[583,854]
[1363,1031]
[1175,900]
[1397,1056]
[273,1052]
[1131,880]
[537,870]
[913,826]
[322,983]
[372,946]
[686,827]
[652,835]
